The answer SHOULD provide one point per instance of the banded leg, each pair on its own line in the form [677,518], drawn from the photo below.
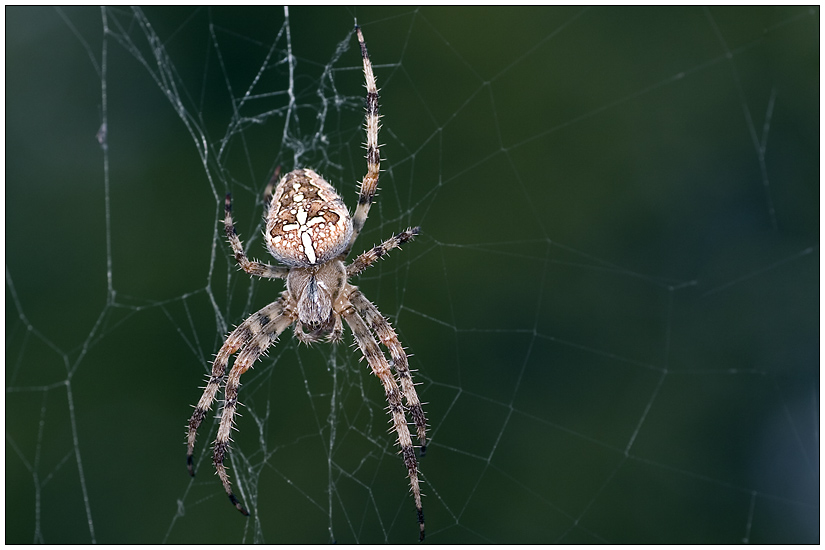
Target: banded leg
[380,367]
[236,340]
[369,184]
[371,256]
[268,334]
[251,267]
[383,329]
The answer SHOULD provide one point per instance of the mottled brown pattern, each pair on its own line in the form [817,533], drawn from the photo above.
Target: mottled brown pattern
[307,222]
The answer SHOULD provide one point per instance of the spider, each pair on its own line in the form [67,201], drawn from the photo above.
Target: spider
[310,232]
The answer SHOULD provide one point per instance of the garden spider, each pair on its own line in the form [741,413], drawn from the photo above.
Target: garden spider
[309,230]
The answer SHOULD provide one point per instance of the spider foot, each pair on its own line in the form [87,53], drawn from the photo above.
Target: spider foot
[190,465]
[237,504]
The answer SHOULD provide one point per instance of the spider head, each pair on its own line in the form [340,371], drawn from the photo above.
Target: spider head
[315,289]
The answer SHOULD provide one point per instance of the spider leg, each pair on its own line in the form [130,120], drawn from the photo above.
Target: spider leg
[383,329]
[380,367]
[366,259]
[369,184]
[270,329]
[236,340]
[251,267]
[273,181]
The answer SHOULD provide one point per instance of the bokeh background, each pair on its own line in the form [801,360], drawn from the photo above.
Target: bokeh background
[612,306]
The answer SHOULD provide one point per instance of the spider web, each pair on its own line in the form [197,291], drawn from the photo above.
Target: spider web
[611,308]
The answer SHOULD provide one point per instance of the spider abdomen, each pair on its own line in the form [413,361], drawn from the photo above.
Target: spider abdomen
[307,223]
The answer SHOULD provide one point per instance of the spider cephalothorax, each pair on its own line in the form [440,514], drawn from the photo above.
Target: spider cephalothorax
[310,231]
[316,291]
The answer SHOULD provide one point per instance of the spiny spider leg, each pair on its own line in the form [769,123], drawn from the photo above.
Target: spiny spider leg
[236,340]
[378,363]
[369,184]
[366,259]
[253,268]
[269,331]
[387,336]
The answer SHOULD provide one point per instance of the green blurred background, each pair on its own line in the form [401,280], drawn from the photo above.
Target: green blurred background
[612,306]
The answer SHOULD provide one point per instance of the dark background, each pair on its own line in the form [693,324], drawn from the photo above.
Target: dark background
[612,306]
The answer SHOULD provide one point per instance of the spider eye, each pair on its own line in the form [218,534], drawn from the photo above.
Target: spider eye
[307,222]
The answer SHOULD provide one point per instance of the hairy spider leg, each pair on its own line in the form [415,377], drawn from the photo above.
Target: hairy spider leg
[253,268]
[387,336]
[378,363]
[236,340]
[366,259]
[270,329]
[369,184]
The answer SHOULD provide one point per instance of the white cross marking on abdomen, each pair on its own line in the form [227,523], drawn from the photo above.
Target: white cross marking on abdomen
[303,227]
